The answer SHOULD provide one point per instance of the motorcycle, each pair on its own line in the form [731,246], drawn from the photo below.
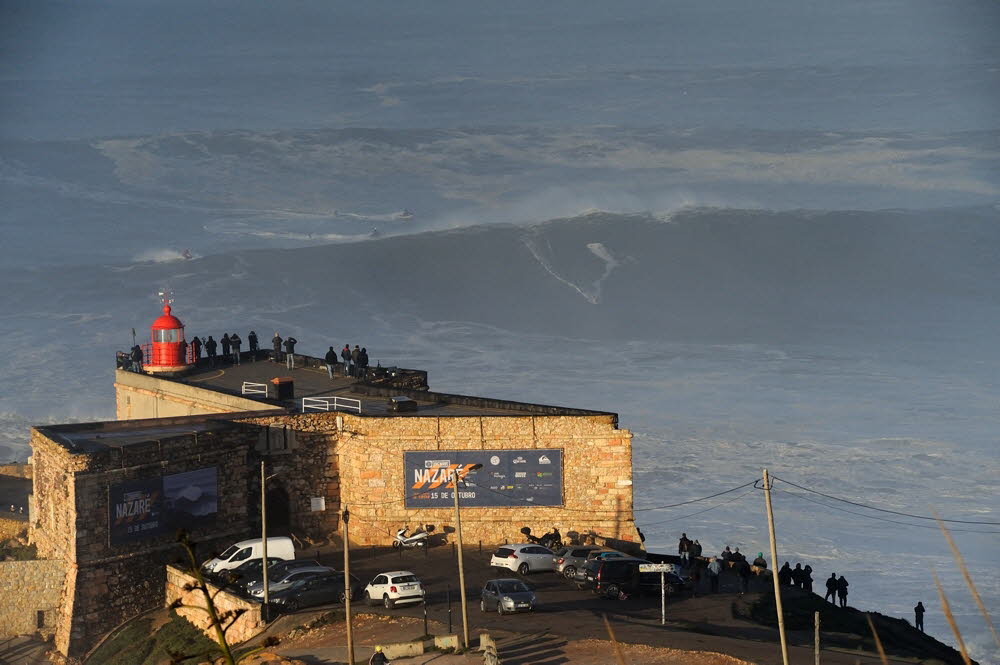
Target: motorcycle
[551,540]
[416,539]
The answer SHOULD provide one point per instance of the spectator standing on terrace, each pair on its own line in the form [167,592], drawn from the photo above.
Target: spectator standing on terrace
[714,570]
[918,613]
[831,588]
[356,359]
[210,349]
[290,343]
[760,563]
[345,353]
[695,549]
[785,575]
[276,343]
[684,549]
[196,347]
[254,345]
[842,590]
[226,346]
[364,362]
[331,360]
[807,578]
[743,570]
[184,351]
[137,358]
[797,576]
[236,343]
[727,554]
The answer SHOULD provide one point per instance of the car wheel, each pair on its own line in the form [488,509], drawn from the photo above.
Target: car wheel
[388,602]
[292,606]
[482,605]
[523,569]
[368,599]
[569,572]
[499,608]
[613,591]
[395,544]
[343,597]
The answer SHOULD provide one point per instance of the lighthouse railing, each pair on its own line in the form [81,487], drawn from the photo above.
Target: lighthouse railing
[331,404]
[250,388]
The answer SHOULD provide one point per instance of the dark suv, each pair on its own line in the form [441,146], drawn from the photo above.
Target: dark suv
[612,576]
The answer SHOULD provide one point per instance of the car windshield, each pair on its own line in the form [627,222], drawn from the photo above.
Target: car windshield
[511,586]
[403,579]
[229,552]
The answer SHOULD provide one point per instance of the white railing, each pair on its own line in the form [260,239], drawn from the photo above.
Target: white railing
[331,404]
[250,388]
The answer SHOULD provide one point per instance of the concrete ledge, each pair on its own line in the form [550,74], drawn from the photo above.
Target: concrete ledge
[446,642]
[403,649]
[485,642]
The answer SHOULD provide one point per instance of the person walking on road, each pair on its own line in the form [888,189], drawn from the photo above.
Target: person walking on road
[831,588]
[331,360]
[290,343]
[276,343]
[378,658]
[918,613]
[842,590]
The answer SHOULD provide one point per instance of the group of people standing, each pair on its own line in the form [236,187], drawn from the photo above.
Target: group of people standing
[231,348]
[798,577]
[288,355]
[836,587]
[355,361]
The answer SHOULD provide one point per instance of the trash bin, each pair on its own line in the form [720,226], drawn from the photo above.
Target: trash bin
[284,387]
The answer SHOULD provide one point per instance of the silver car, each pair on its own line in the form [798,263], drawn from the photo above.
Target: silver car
[286,580]
[569,559]
[507,596]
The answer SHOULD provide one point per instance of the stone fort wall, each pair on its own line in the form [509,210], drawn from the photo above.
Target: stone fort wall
[31,592]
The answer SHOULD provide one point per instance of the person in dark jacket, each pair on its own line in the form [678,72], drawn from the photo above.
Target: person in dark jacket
[684,549]
[831,588]
[378,658]
[254,344]
[797,576]
[137,358]
[210,349]
[331,360]
[290,343]
[696,549]
[785,575]
[184,351]
[226,347]
[807,578]
[842,590]
[760,562]
[743,570]
[356,359]
[918,613]
[196,347]
[236,343]
[276,343]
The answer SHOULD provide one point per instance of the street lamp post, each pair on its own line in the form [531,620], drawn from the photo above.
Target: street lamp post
[461,567]
[263,538]
[346,515]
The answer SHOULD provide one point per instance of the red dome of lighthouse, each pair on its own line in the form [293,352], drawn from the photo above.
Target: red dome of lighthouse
[168,352]
[166,322]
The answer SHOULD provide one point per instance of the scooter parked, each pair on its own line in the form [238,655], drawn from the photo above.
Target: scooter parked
[416,539]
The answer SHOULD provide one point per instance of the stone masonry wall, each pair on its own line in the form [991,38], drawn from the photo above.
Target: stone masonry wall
[246,626]
[140,396]
[597,475]
[108,583]
[11,528]
[27,588]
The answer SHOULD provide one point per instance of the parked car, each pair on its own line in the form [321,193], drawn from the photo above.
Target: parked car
[287,579]
[393,588]
[237,577]
[523,558]
[580,574]
[613,576]
[279,569]
[280,547]
[312,591]
[568,559]
[507,595]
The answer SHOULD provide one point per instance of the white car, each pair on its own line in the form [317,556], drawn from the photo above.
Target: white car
[523,558]
[392,588]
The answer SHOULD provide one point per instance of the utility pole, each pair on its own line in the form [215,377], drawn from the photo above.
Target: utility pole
[461,567]
[347,587]
[263,539]
[816,637]
[774,571]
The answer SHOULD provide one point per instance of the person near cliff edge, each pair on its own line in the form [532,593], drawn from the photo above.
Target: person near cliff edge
[714,570]
[210,350]
[254,345]
[378,658]
[331,360]
[842,590]
[918,613]
[290,343]
[345,354]
[831,588]
[276,343]
[235,342]
[226,347]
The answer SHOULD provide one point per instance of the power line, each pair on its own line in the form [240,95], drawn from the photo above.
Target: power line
[682,517]
[882,510]
[873,517]
[710,496]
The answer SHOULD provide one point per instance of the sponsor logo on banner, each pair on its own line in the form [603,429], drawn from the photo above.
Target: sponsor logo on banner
[544,459]
[495,460]
[520,460]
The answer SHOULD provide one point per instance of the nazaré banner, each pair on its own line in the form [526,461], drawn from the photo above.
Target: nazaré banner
[136,510]
[507,478]
[149,507]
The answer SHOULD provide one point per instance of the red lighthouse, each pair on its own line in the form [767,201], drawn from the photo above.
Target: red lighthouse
[169,350]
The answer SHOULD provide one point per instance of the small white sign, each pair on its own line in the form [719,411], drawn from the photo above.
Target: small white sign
[657,567]
[317,503]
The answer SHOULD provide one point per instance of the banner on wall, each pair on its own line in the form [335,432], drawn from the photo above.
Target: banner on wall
[149,507]
[507,478]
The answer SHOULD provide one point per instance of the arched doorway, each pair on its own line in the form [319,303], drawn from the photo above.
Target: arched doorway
[278,512]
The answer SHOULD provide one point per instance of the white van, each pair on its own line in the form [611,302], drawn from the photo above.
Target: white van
[279,547]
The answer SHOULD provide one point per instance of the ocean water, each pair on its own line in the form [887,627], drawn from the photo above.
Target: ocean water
[766,235]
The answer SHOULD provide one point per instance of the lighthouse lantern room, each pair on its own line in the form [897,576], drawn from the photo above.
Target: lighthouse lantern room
[169,350]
